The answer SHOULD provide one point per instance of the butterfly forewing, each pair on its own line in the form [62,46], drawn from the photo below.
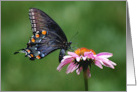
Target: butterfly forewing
[41,20]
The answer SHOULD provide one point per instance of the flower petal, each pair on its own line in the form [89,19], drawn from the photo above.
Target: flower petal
[97,63]
[78,58]
[105,55]
[71,67]
[64,62]
[79,70]
[67,56]
[89,55]
[88,73]
[76,66]
[113,63]
[72,54]
[107,63]
[84,58]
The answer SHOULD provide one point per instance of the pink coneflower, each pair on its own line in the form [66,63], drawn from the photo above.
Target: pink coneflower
[83,58]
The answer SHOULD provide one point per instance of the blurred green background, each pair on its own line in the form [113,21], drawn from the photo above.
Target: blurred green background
[101,26]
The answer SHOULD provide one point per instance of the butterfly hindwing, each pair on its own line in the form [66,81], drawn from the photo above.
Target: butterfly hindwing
[42,45]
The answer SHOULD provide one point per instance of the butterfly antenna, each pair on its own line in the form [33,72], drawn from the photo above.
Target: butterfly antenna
[74,36]
[73,48]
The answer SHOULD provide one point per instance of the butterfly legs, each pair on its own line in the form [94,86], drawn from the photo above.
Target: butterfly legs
[62,54]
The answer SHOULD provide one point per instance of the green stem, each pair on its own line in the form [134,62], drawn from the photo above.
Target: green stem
[85,79]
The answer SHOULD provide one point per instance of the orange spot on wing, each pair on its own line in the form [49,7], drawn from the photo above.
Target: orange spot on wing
[44,32]
[28,51]
[32,39]
[38,57]
[31,55]
[37,35]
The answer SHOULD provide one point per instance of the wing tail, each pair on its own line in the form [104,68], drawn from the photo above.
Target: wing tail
[20,51]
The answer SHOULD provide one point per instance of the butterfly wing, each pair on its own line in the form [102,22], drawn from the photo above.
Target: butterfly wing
[47,35]
[41,21]
[39,47]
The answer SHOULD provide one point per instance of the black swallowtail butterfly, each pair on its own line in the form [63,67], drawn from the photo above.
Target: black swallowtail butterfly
[47,37]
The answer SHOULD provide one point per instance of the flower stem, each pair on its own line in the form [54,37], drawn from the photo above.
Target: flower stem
[85,79]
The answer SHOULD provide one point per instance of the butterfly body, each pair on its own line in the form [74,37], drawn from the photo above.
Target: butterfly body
[47,36]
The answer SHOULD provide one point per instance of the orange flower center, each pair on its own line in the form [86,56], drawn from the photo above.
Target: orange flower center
[80,51]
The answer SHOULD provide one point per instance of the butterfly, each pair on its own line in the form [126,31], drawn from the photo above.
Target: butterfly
[47,37]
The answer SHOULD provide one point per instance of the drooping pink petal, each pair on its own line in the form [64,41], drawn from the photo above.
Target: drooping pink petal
[108,65]
[113,63]
[79,70]
[97,63]
[71,67]
[72,54]
[88,73]
[106,62]
[67,56]
[105,55]
[76,66]
[64,62]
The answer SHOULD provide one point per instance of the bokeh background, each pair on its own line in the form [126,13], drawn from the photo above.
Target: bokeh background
[101,26]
